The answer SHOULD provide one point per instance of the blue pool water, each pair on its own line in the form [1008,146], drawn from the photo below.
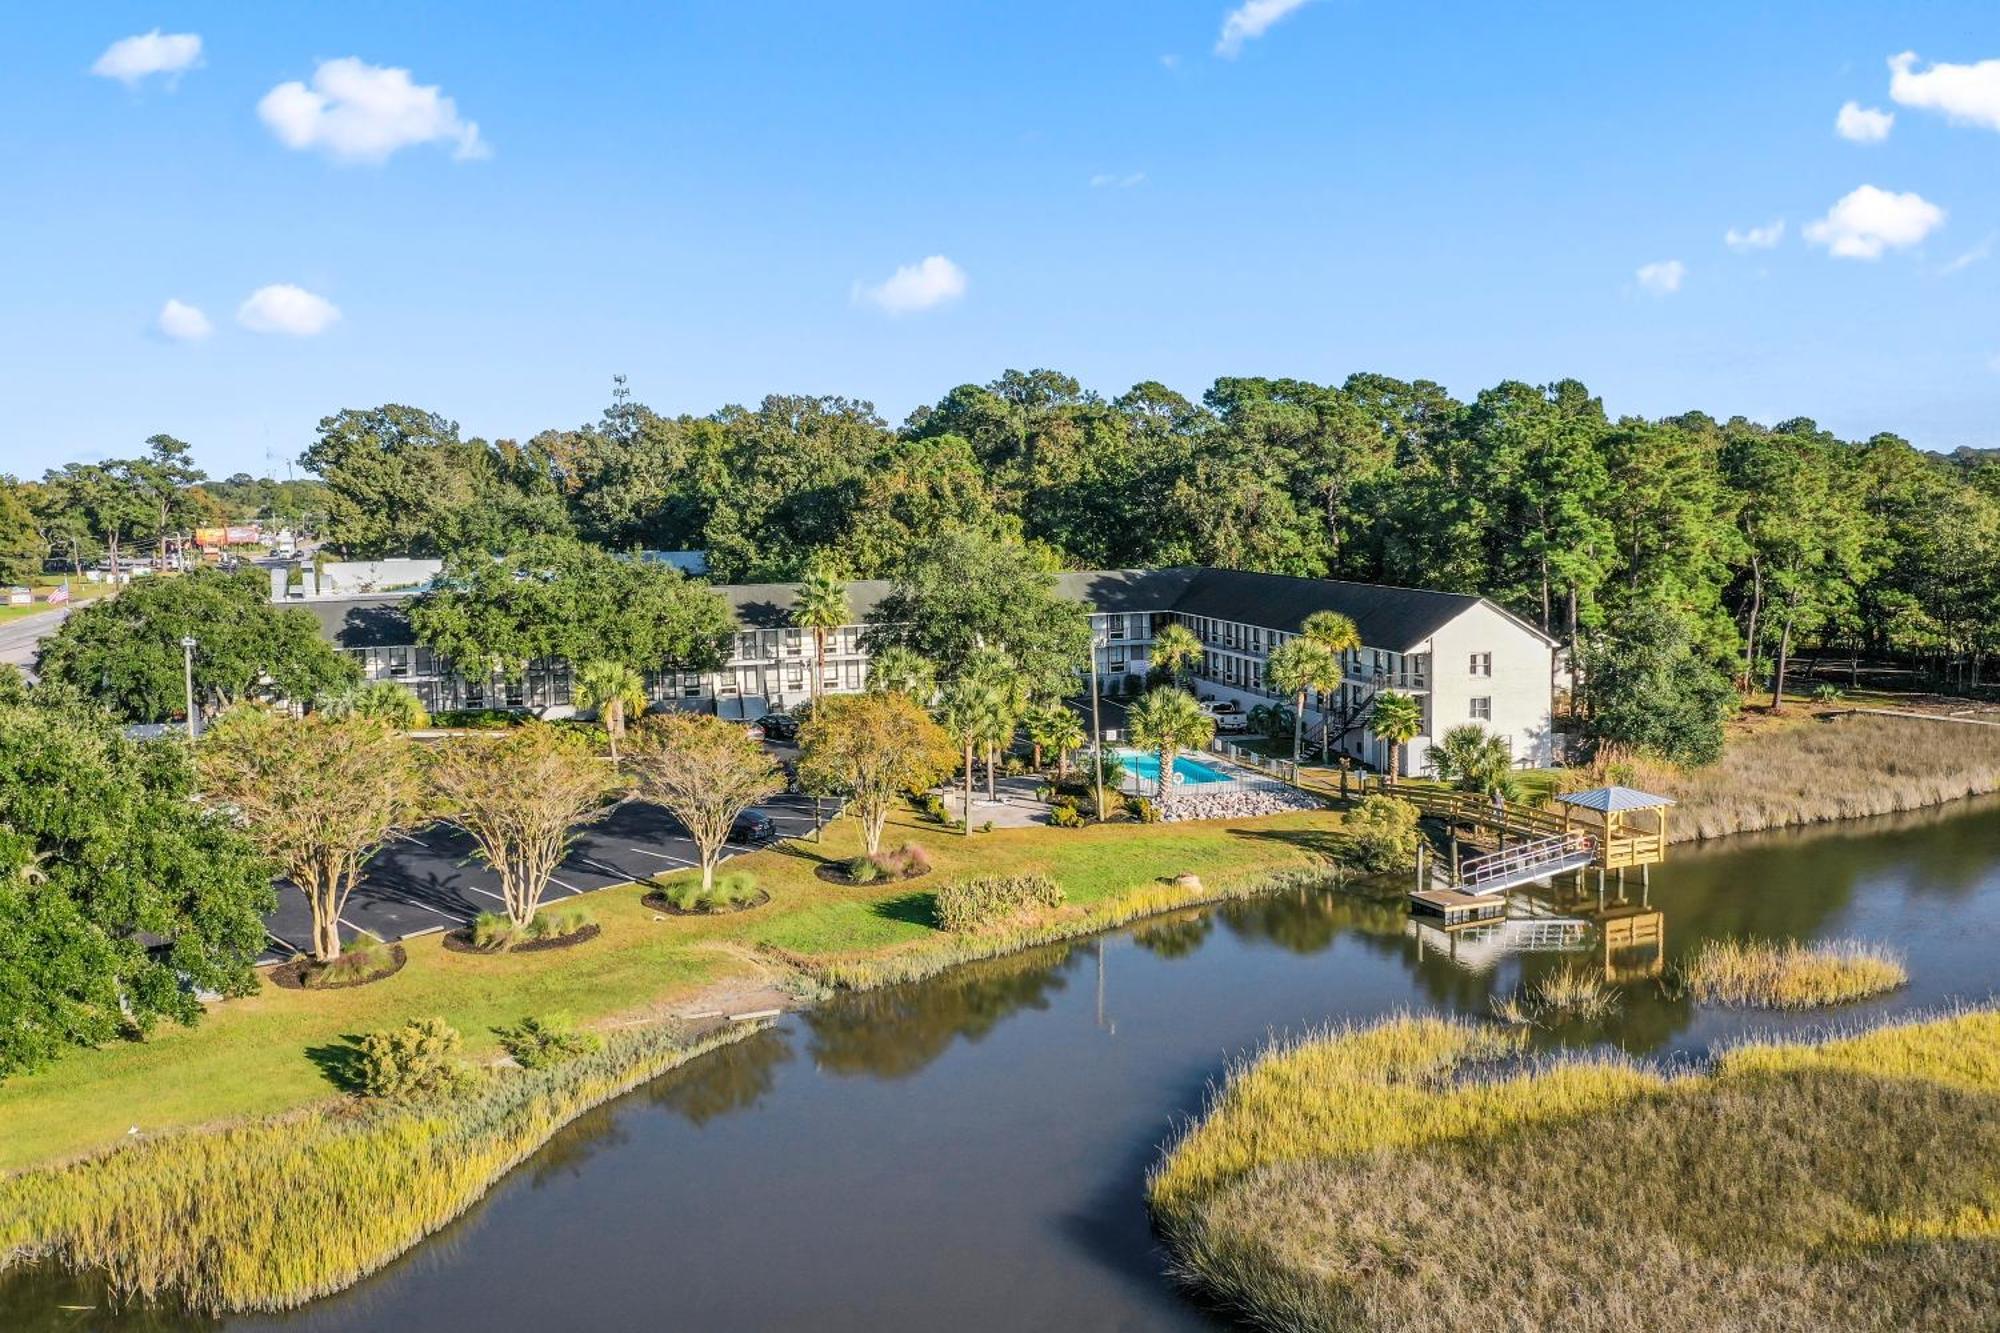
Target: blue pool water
[1145,765]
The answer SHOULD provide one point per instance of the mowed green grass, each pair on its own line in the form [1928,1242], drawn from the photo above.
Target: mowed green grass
[254,1056]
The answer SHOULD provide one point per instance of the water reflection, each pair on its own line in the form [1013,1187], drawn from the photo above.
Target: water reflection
[896,1031]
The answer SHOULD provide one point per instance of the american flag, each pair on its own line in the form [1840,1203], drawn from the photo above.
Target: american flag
[59,595]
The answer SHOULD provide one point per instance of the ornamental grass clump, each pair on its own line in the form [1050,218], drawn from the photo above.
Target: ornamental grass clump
[1421,1174]
[1786,974]
[274,1213]
[995,900]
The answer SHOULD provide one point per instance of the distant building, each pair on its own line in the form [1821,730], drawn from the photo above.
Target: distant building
[1463,657]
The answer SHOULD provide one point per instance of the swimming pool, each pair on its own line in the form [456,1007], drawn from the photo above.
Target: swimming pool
[1145,766]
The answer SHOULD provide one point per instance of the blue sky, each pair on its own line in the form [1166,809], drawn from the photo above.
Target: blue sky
[710,199]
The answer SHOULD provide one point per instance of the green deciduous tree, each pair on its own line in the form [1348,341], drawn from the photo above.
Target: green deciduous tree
[873,747]
[1648,687]
[121,897]
[125,652]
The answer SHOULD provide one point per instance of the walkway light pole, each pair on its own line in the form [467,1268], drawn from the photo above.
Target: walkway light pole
[1096,728]
[187,662]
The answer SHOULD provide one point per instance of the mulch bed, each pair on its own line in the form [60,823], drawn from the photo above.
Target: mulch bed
[292,976]
[660,904]
[835,872]
[460,941]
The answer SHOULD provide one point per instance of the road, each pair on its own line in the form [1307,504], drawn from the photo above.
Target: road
[429,880]
[18,638]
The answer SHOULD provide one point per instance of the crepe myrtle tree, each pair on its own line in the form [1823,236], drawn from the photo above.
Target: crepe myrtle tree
[520,795]
[706,771]
[874,747]
[318,795]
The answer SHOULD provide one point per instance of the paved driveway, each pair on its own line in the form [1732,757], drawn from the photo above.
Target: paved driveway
[429,880]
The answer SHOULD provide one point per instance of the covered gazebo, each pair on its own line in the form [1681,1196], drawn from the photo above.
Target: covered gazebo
[1630,825]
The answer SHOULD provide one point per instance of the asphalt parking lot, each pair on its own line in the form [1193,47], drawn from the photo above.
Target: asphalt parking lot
[429,880]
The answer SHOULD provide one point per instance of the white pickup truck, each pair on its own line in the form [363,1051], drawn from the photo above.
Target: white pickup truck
[1228,716]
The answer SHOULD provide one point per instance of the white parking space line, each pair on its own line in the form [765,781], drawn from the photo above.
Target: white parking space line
[609,870]
[285,943]
[423,907]
[488,893]
[677,860]
[559,884]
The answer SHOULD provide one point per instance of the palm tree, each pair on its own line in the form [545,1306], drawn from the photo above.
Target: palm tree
[612,689]
[1042,722]
[1175,649]
[1001,699]
[384,700]
[1398,718]
[821,607]
[961,712]
[1293,667]
[1064,736]
[1169,720]
[1473,759]
[900,670]
[1339,637]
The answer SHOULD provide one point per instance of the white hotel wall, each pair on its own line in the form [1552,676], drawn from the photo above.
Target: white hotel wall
[1519,686]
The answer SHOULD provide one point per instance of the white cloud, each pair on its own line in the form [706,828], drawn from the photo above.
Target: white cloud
[1863,124]
[1868,221]
[1112,180]
[131,59]
[1662,277]
[1967,94]
[1251,19]
[357,112]
[182,322]
[1755,238]
[283,308]
[919,286]
[1170,61]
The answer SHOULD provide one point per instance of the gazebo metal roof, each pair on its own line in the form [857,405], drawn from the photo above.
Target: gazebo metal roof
[1615,800]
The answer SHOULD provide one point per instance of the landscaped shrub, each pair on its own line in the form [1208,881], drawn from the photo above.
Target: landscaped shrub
[1065,814]
[560,923]
[536,1043]
[492,930]
[478,719]
[1770,974]
[1143,808]
[1382,834]
[364,960]
[863,870]
[934,808]
[417,1059]
[905,862]
[736,889]
[992,900]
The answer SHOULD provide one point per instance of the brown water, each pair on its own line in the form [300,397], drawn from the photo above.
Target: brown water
[969,1152]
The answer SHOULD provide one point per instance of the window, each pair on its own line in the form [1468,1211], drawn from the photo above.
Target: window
[852,671]
[1482,708]
[690,684]
[1482,664]
[1117,624]
[794,642]
[795,676]
[399,661]
[1117,659]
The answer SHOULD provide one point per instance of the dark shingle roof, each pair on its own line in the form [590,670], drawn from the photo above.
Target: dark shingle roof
[1397,619]
[362,622]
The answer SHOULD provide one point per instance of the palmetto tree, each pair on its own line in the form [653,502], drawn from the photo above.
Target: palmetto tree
[613,690]
[1001,698]
[1169,720]
[1398,718]
[820,607]
[1293,667]
[1058,731]
[1472,758]
[1339,637]
[900,670]
[962,713]
[1175,649]
[384,700]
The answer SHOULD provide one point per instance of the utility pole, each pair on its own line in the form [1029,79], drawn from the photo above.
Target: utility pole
[1096,727]
[187,662]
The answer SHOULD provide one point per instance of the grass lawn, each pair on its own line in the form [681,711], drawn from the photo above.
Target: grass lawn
[256,1056]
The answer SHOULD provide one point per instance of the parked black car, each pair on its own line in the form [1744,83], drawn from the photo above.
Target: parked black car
[780,726]
[752,827]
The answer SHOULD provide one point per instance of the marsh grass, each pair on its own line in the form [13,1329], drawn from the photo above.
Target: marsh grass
[1808,772]
[1568,994]
[1785,974]
[275,1213]
[1419,1174]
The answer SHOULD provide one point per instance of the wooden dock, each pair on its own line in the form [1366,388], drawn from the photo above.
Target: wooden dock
[1458,909]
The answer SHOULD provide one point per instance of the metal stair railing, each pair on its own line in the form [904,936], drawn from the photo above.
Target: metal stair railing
[1562,851]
